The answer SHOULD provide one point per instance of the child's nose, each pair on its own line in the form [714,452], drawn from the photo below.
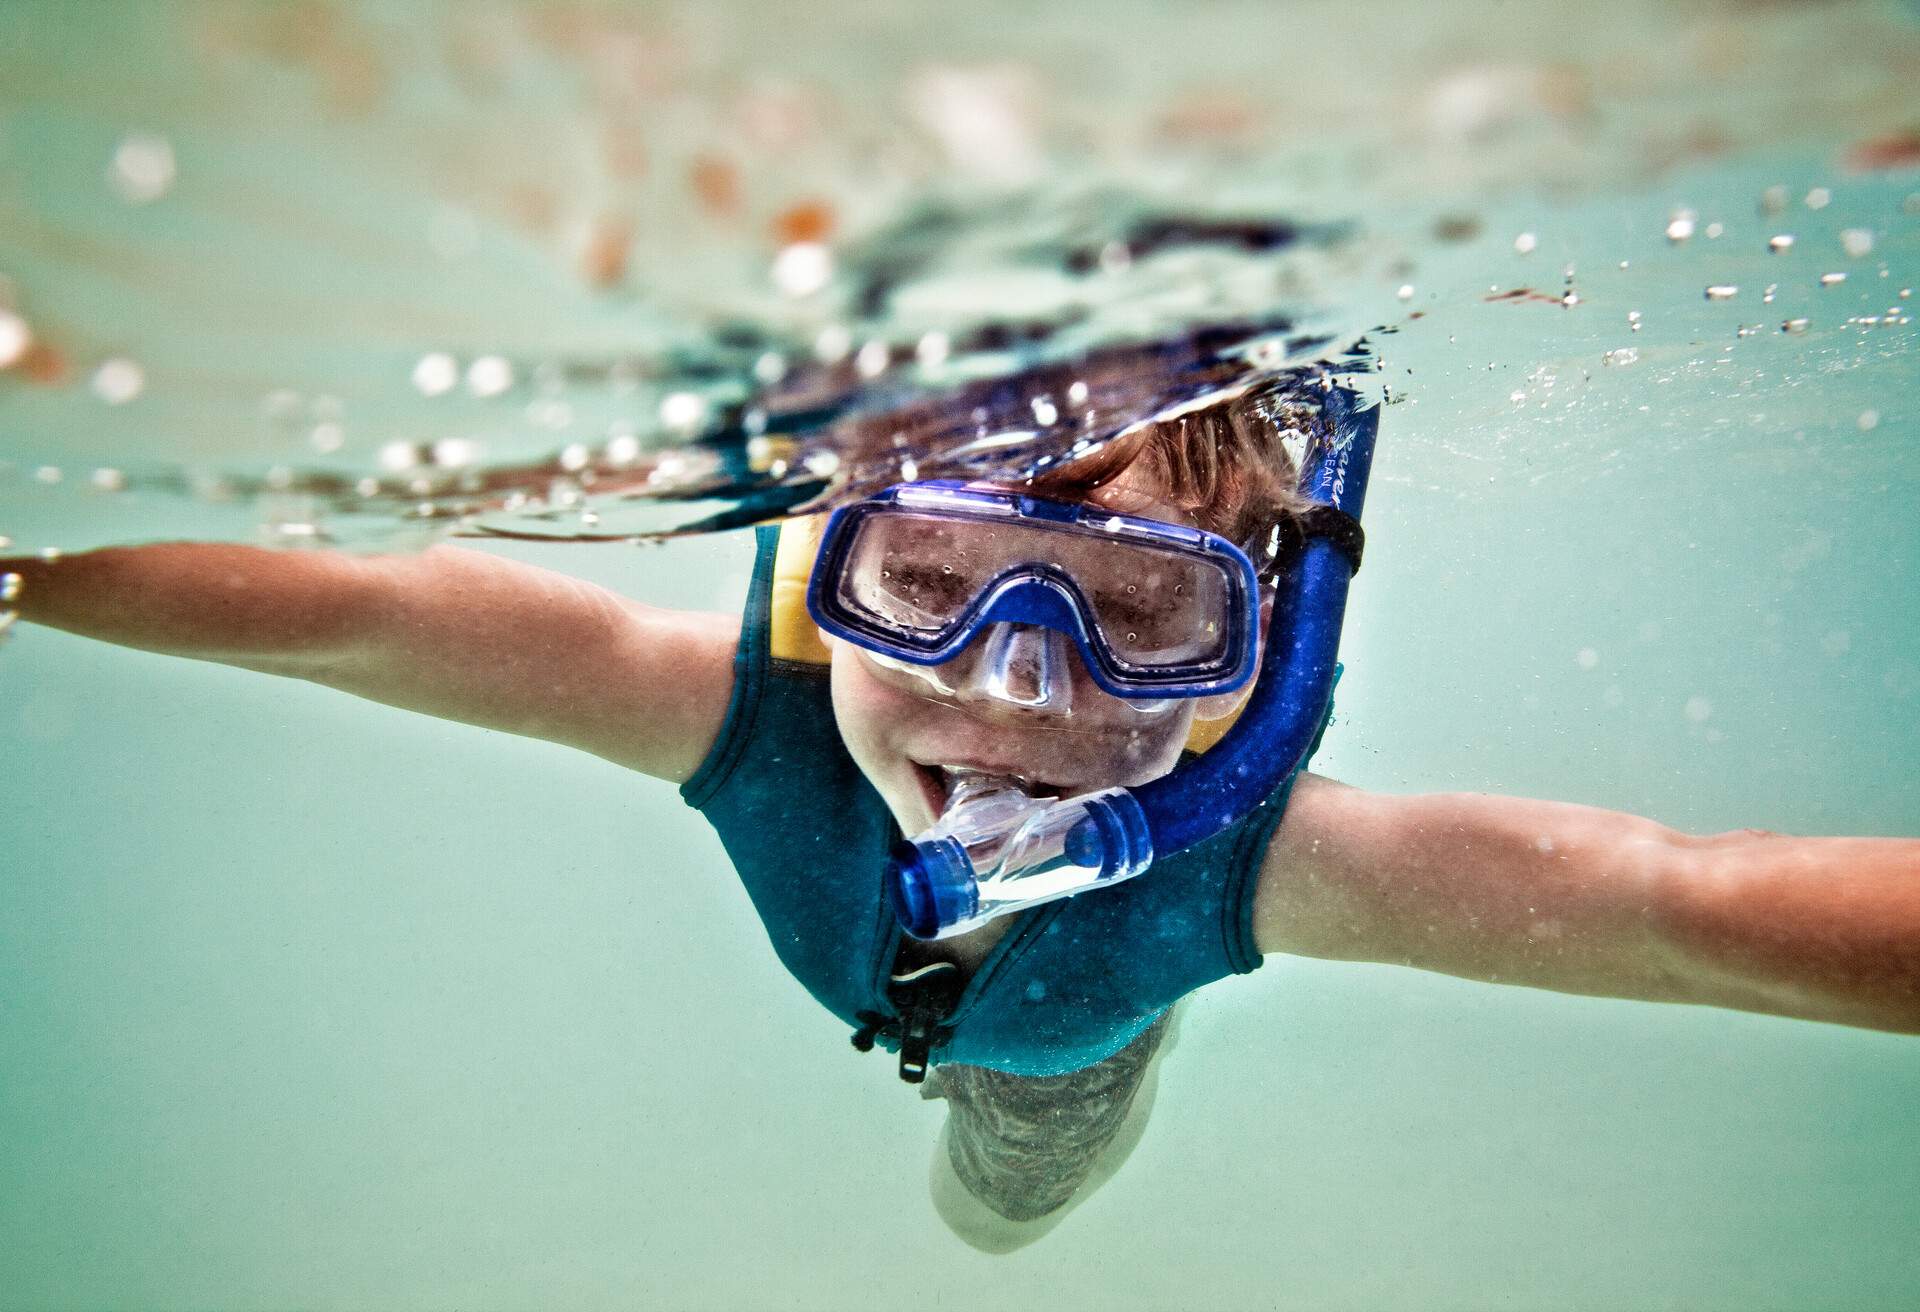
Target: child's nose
[1029,667]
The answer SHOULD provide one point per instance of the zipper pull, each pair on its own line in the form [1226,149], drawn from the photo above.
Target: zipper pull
[925,997]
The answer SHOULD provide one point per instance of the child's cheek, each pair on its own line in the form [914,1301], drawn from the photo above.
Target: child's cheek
[863,707]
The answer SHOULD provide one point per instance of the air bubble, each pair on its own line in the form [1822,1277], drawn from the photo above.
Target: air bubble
[872,359]
[803,268]
[489,376]
[455,452]
[397,456]
[15,338]
[142,170]
[683,412]
[932,349]
[436,374]
[831,343]
[118,381]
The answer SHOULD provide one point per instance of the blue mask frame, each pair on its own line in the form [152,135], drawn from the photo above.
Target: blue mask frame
[1040,594]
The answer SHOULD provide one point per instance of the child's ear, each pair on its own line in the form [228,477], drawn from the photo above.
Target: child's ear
[1223,704]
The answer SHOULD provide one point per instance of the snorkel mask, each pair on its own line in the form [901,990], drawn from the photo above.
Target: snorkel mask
[1158,612]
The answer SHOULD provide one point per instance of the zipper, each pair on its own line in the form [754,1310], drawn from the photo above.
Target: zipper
[921,1007]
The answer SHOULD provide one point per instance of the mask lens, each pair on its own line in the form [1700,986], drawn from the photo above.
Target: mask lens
[1161,609]
[912,572]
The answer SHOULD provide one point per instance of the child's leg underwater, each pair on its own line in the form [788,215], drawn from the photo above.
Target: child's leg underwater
[1018,1153]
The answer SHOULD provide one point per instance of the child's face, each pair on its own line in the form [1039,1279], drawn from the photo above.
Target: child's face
[901,730]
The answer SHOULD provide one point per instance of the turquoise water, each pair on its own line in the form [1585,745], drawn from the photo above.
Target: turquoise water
[304,1001]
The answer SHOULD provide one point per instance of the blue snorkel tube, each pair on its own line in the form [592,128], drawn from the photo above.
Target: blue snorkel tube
[997,851]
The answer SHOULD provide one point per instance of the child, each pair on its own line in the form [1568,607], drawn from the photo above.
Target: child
[812,755]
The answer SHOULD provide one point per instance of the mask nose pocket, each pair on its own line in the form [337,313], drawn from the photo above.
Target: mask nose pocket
[1028,666]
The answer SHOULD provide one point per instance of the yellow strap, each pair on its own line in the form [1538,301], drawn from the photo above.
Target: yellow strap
[793,636]
[791,632]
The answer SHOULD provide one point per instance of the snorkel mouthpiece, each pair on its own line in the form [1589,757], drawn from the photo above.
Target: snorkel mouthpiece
[997,850]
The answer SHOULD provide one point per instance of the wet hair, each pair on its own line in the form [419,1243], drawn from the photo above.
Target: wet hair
[1225,464]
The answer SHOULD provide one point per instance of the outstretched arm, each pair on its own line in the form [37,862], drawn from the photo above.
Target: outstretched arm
[1583,900]
[459,634]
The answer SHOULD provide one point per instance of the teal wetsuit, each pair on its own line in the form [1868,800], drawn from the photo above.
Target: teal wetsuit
[1071,983]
